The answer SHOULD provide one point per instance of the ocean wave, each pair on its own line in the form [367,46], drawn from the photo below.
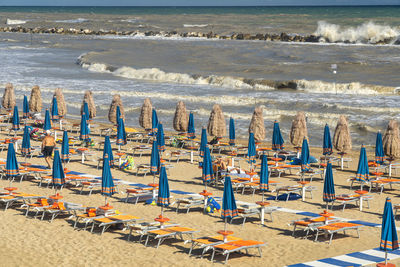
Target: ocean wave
[134,20]
[15,21]
[195,25]
[343,88]
[368,32]
[155,74]
[78,20]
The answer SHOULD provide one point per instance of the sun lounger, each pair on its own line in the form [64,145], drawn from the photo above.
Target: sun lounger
[59,208]
[144,227]
[333,228]
[345,199]
[139,194]
[236,246]
[207,242]
[189,202]
[94,184]
[169,232]
[310,224]
[14,198]
[107,222]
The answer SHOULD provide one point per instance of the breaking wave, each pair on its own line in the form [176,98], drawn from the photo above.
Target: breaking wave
[78,20]
[368,32]
[15,21]
[155,74]
[195,25]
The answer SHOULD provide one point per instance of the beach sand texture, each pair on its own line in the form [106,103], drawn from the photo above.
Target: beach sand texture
[30,242]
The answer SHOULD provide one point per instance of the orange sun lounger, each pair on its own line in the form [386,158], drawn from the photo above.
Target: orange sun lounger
[207,242]
[337,227]
[235,246]
[169,232]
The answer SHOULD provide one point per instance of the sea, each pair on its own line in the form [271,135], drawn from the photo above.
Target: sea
[236,74]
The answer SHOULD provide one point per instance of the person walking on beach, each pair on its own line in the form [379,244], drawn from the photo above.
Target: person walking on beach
[48,145]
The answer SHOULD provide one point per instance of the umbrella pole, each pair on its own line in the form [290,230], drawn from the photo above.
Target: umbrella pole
[327,205]
[105,200]
[225,225]
[385,257]
[162,211]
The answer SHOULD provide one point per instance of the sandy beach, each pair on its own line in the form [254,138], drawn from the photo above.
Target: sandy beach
[31,242]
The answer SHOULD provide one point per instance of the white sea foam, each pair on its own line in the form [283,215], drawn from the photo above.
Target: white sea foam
[195,25]
[78,20]
[15,21]
[368,32]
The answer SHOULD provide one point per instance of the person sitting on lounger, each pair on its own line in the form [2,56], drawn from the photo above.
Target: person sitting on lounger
[48,144]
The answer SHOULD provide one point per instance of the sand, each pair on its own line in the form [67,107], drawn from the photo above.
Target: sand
[31,242]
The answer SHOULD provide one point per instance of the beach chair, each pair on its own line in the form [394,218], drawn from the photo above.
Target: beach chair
[15,197]
[236,246]
[59,208]
[310,224]
[144,227]
[139,194]
[189,202]
[333,228]
[106,222]
[345,199]
[169,232]
[206,242]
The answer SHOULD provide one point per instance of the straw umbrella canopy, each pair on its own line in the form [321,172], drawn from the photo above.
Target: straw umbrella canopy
[299,129]
[35,101]
[112,113]
[88,98]
[391,140]
[8,101]
[181,117]
[62,106]
[342,138]
[145,114]
[257,124]
[216,123]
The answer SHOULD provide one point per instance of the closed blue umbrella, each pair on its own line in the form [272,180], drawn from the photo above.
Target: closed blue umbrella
[305,156]
[26,142]
[264,175]
[362,173]
[229,209]
[12,163]
[154,121]
[160,138]
[277,140]
[107,150]
[47,122]
[154,159]
[232,135]
[54,110]
[327,143]
[207,170]
[58,175]
[25,108]
[191,129]
[389,240]
[203,141]
[15,121]
[163,199]
[117,113]
[65,147]
[329,186]
[163,189]
[121,133]
[379,154]
[251,150]
[86,110]
[84,134]
[107,183]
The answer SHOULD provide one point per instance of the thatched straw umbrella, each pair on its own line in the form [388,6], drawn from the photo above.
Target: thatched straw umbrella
[145,114]
[35,102]
[391,143]
[257,124]
[342,138]
[8,97]
[181,117]
[298,130]
[88,98]
[216,123]
[112,113]
[62,106]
